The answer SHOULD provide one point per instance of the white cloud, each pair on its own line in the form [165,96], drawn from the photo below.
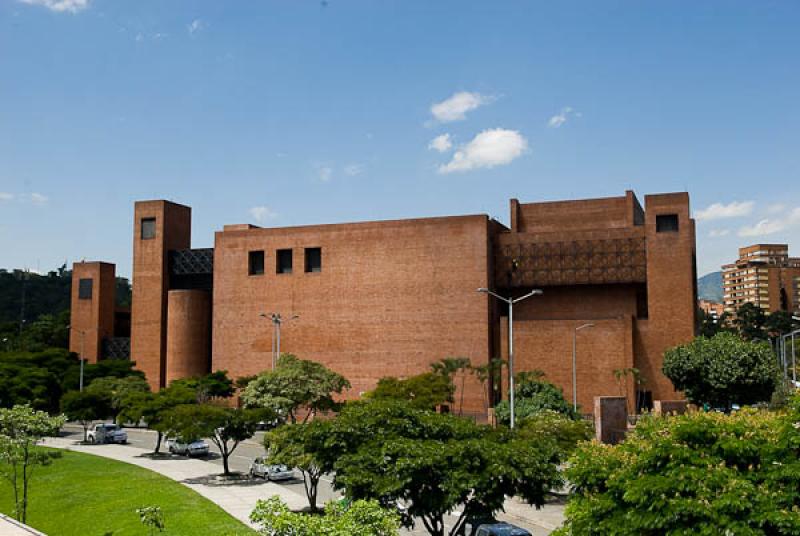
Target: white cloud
[776,208]
[561,117]
[261,214]
[716,233]
[38,199]
[60,6]
[5,196]
[794,215]
[762,228]
[718,211]
[352,170]
[456,107]
[195,26]
[441,143]
[325,173]
[490,148]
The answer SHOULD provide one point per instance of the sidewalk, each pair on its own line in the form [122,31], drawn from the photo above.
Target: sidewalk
[12,527]
[238,498]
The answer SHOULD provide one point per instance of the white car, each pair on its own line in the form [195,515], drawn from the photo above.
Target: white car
[260,468]
[107,433]
[197,447]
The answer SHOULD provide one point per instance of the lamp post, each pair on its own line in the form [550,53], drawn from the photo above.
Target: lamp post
[277,320]
[511,301]
[575,365]
[83,336]
[783,340]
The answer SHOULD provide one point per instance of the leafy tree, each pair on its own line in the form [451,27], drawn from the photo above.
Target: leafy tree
[154,408]
[533,395]
[34,378]
[360,518]
[699,473]
[451,367]
[566,432]
[153,518]
[779,323]
[226,427]
[106,368]
[750,320]
[214,385]
[21,428]
[489,374]
[424,391]
[118,390]
[85,407]
[299,445]
[295,385]
[390,451]
[722,370]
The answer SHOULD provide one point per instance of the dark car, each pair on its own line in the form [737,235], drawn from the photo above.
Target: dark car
[501,529]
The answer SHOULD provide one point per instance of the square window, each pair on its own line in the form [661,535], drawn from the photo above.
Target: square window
[256,263]
[667,223]
[85,289]
[313,259]
[284,261]
[148,228]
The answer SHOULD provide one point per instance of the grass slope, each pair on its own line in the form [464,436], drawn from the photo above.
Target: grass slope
[85,495]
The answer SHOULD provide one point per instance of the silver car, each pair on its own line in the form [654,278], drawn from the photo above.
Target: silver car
[259,468]
[196,447]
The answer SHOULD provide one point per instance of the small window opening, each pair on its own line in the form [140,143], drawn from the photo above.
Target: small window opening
[284,261]
[148,228]
[667,223]
[313,260]
[256,263]
[85,289]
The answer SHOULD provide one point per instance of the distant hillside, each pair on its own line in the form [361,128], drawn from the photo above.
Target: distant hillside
[709,287]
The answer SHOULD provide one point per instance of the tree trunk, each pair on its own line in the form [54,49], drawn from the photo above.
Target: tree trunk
[434,525]
[158,443]
[25,488]
[225,463]
[85,431]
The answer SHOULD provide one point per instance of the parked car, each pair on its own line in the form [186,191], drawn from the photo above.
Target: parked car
[501,529]
[107,433]
[195,447]
[259,468]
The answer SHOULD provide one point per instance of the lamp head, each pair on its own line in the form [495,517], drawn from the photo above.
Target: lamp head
[483,289]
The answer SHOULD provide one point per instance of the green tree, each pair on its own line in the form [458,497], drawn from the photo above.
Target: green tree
[226,427]
[750,321]
[533,395]
[21,428]
[295,385]
[779,323]
[300,446]
[566,432]
[489,376]
[34,378]
[106,368]
[722,370]
[360,518]
[214,385]
[85,407]
[153,518]
[154,408]
[433,463]
[699,473]
[118,390]
[452,367]
[425,391]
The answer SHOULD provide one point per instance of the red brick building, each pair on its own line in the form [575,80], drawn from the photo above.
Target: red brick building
[388,298]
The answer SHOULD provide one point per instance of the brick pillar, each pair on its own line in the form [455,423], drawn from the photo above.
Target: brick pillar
[610,418]
[92,308]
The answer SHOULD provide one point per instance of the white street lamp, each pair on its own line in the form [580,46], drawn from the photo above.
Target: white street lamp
[511,302]
[277,320]
[575,365]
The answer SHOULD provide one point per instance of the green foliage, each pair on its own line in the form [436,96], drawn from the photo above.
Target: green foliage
[722,370]
[749,322]
[360,518]
[390,451]
[153,518]
[532,396]
[225,426]
[21,428]
[700,473]
[34,378]
[566,432]
[424,391]
[84,495]
[85,407]
[213,385]
[302,446]
[708,327]
[118,390]
[294,385]
[489,375]
[154,408]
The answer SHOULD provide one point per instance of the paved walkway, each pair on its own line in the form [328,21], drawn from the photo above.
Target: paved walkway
[12,527]
[238,498]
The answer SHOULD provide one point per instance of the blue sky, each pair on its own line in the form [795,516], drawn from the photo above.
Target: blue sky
[283,112]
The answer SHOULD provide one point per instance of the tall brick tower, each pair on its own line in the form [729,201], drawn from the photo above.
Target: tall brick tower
[159,226]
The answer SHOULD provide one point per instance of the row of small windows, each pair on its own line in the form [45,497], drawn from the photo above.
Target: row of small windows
[284,261]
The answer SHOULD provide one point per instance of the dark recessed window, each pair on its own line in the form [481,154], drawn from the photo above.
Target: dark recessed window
[313,260]
[85,289]
[284,261]
[667,223]
[256,263]
[148,228]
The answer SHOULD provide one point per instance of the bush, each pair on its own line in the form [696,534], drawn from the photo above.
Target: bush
[700,473]
[723,370]
[532,396]
[566,432]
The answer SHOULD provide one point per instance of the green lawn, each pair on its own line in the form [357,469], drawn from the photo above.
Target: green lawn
[84,495]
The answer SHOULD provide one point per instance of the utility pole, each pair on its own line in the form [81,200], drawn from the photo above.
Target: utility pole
[511,301]
[277,321]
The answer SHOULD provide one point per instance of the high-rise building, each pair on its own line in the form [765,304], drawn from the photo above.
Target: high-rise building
[764,275]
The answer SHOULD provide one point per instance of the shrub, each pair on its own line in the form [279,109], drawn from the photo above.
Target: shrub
[532,396]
